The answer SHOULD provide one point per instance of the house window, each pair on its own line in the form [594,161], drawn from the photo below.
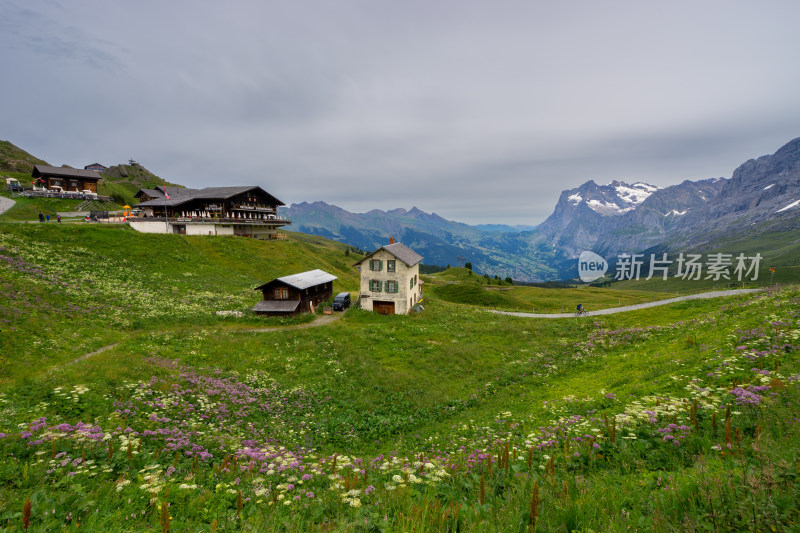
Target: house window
[411,282]
[281,293]
[390,265]
[375,285]
[375,265]
[391,287]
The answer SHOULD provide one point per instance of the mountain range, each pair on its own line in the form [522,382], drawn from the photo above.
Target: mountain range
[763,194]
[760,199]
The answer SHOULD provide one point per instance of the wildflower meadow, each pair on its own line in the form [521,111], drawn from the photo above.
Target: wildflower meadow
[683,418]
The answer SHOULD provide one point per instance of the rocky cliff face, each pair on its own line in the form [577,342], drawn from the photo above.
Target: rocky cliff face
[763,189]
[619,217]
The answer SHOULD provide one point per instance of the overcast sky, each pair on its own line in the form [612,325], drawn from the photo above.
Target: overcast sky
[479,111]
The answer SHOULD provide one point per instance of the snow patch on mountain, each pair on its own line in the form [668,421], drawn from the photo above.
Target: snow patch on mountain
[575,199]
[768,187]
[636,193]
[791,205]
[603,207]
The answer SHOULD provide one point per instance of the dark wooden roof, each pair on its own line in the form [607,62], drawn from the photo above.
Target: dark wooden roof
[61,172]
[158,192]
[400,251]
[149,192]
[181,196]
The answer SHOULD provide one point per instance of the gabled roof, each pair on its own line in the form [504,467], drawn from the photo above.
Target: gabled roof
[155,193]
[61,172]
[158,192]
[400,251]
[276,306]
[303,280]
[180,195]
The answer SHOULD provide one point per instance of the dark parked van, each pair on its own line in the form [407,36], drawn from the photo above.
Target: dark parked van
[342,301]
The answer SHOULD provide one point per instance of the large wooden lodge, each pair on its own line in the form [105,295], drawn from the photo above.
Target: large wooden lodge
[245,211]
[66,179]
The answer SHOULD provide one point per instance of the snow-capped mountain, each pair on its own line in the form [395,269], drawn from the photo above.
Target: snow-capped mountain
[621,216]
[616,198]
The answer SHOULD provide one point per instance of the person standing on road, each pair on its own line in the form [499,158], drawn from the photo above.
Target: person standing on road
[48,217]
[58,218]
[41,217]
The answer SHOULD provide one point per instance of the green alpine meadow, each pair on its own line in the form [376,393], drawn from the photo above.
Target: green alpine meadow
[139,393]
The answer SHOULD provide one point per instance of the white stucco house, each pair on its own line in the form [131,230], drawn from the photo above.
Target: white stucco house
[390,282]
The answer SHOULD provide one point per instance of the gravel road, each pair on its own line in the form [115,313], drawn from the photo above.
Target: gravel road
[614,310]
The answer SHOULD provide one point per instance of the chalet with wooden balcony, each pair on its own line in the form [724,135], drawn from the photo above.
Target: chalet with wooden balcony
[298,293]
[245,211]
[63,179]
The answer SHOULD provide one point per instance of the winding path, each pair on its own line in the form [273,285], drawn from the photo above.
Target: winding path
[321,320]
[614,310]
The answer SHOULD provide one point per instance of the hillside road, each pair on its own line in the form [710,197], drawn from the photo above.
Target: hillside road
[614,310]
[6,204]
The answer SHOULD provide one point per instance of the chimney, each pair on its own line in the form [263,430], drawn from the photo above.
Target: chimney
[391,240]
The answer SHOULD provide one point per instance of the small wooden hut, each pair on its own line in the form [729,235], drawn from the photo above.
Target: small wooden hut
[298,293]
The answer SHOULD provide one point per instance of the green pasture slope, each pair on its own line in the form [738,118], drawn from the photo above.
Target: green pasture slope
[681,417]
[69,289]
[779,249]
[457,285]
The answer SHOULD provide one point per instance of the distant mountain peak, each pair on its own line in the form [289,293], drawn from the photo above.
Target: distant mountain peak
[613,199]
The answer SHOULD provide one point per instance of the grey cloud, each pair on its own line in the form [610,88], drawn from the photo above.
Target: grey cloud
[479,112]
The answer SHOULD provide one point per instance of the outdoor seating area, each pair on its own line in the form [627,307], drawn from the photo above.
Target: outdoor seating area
[67,195]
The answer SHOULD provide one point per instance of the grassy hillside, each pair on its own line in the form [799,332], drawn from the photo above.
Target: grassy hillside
[779,249]
[457,285]
[123,181]
[681,417]
[69,289]
[16,162]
